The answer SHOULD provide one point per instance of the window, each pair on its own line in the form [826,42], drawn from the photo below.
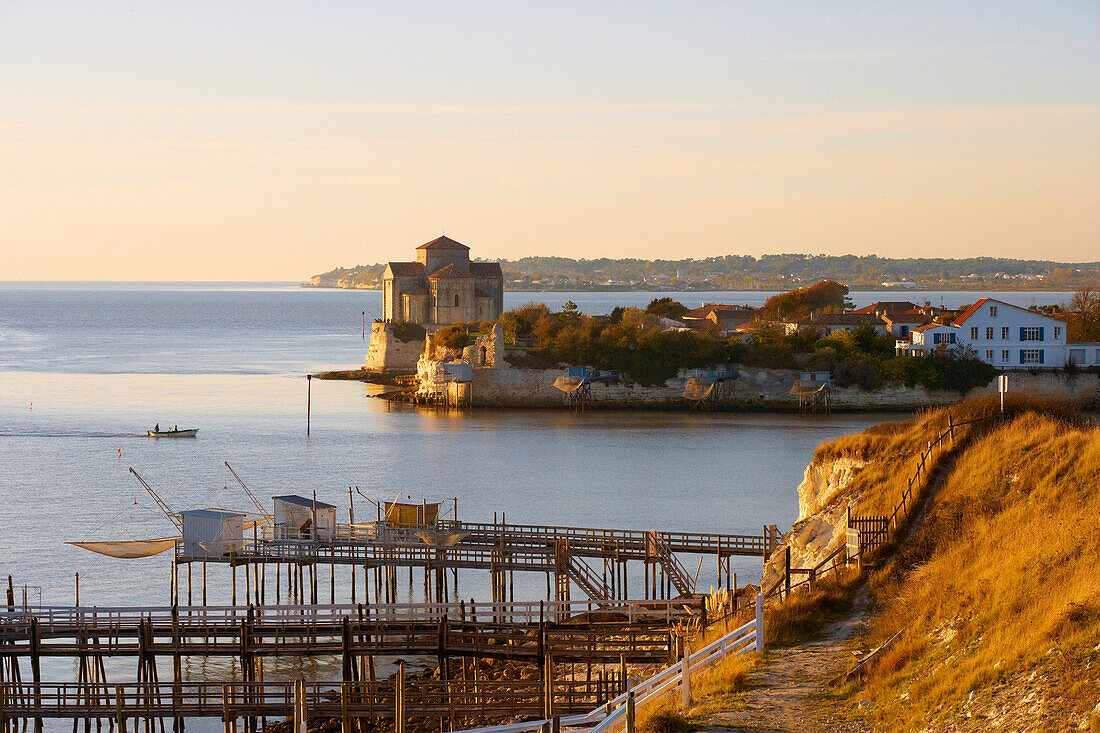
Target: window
[989,354]
[1031,356]
[974,333]
[1057,332]
[1031,334]
[1004,355]
[456,300]
[1004,333]
[989,333]
[992,311]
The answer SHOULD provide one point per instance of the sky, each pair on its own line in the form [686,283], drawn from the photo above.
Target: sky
[272,140]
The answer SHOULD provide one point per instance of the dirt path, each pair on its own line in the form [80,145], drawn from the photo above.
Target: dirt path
[785,692]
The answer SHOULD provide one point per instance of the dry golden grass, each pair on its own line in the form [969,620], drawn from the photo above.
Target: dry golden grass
[893,450]
[662,717]
[806,612]
[1002,577]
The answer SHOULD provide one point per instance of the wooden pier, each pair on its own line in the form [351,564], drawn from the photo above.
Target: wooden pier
[572,632]
[137,703]
[593,560]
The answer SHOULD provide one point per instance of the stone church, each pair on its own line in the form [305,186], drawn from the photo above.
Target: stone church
[442,286]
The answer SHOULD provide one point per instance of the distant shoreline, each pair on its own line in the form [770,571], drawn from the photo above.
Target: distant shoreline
[852,288]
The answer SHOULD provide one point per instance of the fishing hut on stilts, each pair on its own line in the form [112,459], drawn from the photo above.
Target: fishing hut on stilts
[576,386]
[812,391]
[705,388]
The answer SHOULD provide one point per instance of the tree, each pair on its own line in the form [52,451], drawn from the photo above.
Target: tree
[666,307]
[827,296]
[1083,311]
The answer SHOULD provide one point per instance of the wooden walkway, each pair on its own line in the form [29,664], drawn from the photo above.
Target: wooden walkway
[635,631]
[442,699]
[566,553]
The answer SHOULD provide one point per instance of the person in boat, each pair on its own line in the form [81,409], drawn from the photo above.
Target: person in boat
[176,429]
[156,428]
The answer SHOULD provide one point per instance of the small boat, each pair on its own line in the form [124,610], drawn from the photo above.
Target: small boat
[189,433]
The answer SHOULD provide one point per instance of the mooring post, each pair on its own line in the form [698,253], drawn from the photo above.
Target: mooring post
[630,712]
[78,590]
[309,396]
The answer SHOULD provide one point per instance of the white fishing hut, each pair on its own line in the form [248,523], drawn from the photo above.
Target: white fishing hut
[302,518]
[212,532]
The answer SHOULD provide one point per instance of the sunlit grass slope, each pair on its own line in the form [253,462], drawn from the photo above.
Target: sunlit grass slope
[998,589]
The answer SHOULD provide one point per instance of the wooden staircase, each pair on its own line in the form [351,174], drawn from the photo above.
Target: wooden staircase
[677,573]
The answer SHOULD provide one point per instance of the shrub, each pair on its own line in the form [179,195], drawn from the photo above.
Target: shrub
[453,337]
[407,331]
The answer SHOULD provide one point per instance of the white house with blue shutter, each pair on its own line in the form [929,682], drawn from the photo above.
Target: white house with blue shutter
[1010,337]
[928,338]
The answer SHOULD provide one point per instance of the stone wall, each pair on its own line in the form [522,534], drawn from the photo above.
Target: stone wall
[388,354]
[754,389]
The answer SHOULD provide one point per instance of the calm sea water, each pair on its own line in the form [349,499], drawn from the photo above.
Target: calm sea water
[85,370]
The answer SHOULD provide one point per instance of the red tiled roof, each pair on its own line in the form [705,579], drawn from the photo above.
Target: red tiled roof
[406,268]
[443,243]
[905,317]
[840,319]
[704,310]
[889,306]
[972,310]
[928,326]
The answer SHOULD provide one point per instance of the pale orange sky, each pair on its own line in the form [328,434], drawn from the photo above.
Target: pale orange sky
[218,145]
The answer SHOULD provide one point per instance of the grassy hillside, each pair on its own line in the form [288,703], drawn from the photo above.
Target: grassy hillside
[998,588]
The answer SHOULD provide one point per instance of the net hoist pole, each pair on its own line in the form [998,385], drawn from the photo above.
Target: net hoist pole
[160,502]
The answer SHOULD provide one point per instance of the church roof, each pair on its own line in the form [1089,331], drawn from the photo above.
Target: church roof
[406,268]
[443,243]
[486,269]
[448,271]
[418,290]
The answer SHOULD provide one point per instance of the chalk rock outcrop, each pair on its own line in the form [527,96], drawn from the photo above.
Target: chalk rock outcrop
[823,498]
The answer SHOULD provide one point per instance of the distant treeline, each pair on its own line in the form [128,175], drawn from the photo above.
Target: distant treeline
[734,272]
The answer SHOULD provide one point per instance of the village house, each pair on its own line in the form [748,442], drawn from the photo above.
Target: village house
[727,318]
[828,324]
[926,339]
[887,307]
[1005,336]
[442,287]
[1008,336]
[901,324]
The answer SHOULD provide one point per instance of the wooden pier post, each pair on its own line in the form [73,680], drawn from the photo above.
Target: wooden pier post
[685,680]
[787,572]
[120,716]
[399,700]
